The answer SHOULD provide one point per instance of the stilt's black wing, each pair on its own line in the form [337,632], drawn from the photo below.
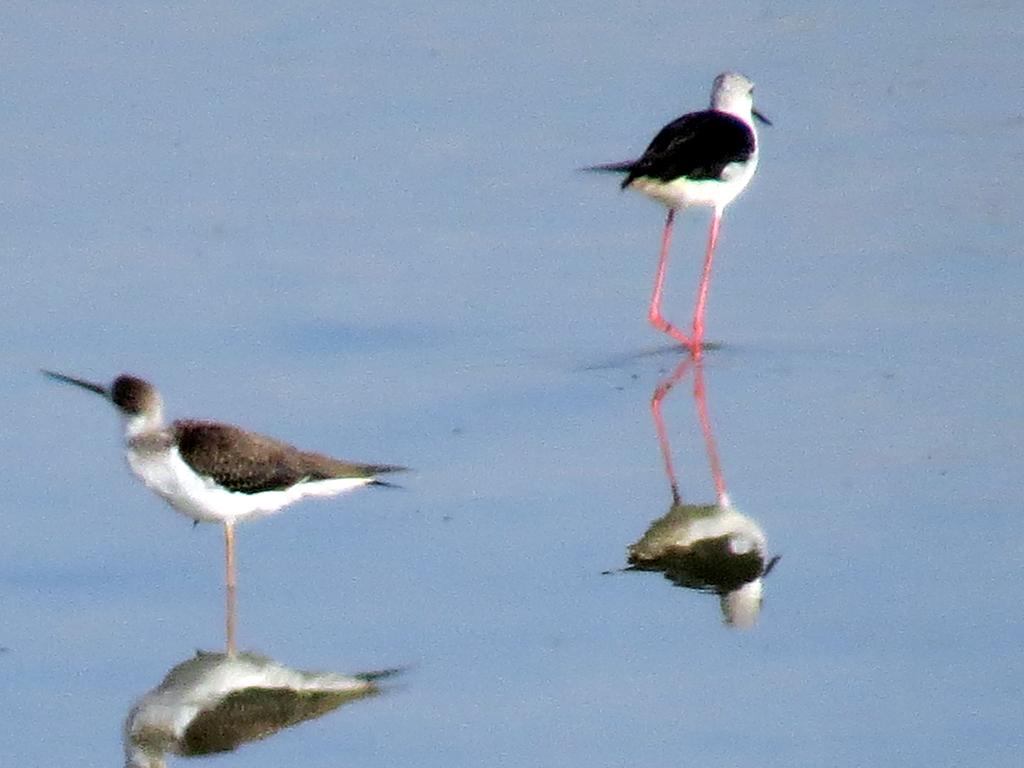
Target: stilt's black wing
[695,146]
[247,462]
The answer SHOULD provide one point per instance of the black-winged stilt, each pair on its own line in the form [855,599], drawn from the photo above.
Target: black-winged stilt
[705,159]
[215,472]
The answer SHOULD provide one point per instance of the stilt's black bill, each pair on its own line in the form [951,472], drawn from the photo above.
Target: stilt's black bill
[760,118]
[98,389]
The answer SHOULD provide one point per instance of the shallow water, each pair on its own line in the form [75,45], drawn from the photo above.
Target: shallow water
[360,228]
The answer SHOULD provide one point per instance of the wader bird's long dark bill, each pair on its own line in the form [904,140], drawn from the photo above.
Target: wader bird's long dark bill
[97,388]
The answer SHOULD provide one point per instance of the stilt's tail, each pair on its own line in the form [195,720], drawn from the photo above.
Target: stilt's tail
[625,166]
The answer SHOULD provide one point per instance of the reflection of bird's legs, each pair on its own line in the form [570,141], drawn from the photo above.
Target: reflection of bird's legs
[229,581]
[659,423]
[709,439]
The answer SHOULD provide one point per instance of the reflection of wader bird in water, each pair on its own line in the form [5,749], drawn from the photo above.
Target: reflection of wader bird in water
[709,547]
[216,702]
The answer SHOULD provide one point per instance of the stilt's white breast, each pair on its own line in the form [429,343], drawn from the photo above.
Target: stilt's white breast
[200,498]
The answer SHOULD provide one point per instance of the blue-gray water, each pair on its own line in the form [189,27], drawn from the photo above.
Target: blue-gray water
[360,227]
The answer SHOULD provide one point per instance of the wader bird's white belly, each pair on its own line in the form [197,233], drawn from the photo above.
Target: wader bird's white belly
[200,498]
[714,193]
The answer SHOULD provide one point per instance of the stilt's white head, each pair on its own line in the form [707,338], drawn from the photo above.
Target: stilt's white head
[734,93]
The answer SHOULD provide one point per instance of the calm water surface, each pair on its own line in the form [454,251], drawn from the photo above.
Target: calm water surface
[360,228]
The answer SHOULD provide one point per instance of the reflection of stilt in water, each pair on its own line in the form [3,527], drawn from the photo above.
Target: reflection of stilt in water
[216,702]
[709,438]
[659,424]
[231,608]
[712,548]
[700,397]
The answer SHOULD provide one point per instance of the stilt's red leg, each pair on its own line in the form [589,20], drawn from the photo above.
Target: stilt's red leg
[654,312]
[229,580]
[705,282]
